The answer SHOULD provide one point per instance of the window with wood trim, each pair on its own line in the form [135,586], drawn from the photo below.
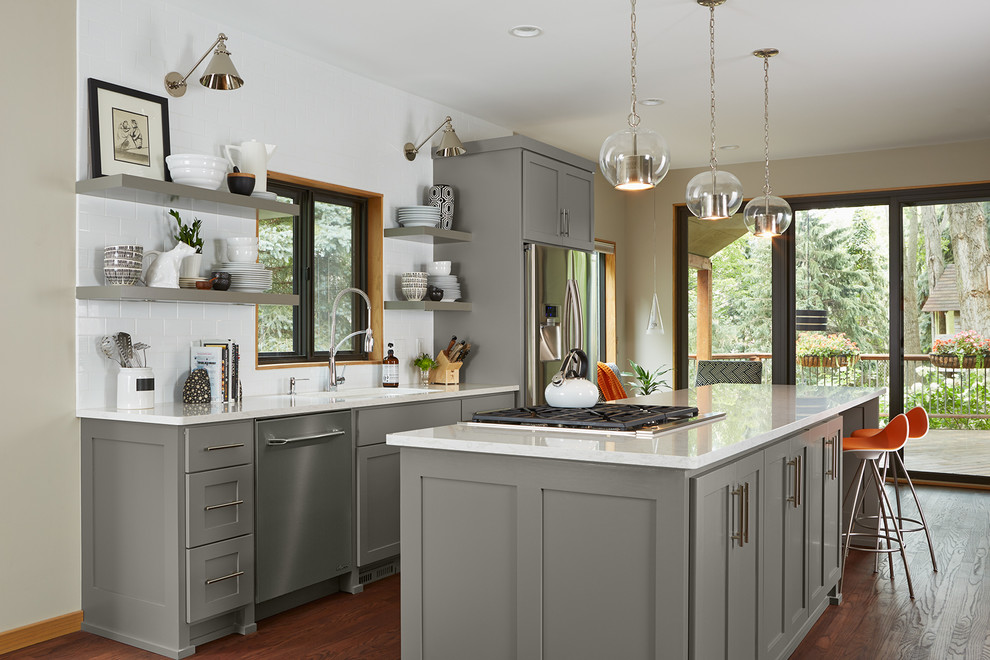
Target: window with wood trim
[334,243]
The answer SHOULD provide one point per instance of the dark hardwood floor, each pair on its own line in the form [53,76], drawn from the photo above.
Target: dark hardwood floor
[950,617]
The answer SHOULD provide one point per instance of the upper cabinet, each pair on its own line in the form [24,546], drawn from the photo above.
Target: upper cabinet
[558,203]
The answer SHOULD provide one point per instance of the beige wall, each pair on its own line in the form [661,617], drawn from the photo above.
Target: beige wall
[874,170]
[39,445]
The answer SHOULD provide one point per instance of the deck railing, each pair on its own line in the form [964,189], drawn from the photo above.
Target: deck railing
[954,398]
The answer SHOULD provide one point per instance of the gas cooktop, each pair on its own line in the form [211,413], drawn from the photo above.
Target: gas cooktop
[601,417]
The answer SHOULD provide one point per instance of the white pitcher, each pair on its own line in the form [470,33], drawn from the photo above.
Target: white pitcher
[252,157]
[164,272]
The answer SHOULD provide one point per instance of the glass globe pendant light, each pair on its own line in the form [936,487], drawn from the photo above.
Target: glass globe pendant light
[634,158]
[768,215]
[713,195]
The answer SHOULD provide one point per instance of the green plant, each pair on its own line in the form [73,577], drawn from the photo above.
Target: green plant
[835,345]
[424,362]
[646,381]
[188,234]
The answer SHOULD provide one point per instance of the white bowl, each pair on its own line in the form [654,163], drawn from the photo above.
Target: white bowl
[242,241]
[196,160]
[438,268]
[242,254]
[196,170]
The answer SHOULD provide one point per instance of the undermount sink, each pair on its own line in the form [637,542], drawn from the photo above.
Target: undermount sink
[360,392]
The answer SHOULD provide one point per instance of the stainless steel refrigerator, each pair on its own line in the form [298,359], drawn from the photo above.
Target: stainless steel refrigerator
[562,311]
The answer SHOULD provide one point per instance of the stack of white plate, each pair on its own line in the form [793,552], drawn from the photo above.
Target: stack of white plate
[451,287]
[249,278]
[418,216]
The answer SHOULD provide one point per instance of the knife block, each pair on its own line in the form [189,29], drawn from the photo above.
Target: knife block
[446,372]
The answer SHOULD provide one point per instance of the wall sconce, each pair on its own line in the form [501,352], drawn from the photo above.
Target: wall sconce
[220,72]
[450,144]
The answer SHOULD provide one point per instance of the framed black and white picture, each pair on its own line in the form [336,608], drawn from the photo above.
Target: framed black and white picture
[128,131]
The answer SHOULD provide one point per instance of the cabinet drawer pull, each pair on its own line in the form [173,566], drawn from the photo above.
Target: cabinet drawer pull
[225,577]
[275,442]
[220,506]
[230,446]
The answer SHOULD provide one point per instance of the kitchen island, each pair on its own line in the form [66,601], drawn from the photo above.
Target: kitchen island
[720,540]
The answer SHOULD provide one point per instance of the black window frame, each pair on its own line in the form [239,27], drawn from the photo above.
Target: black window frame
[303,282]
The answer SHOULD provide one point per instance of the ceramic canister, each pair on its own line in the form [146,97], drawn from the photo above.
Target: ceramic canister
[135,388]
[442,196]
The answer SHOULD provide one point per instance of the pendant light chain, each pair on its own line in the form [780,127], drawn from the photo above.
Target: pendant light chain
[766,123]
[633,46]
[711,49]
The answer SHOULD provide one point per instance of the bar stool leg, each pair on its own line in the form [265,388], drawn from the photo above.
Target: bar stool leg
[921,513]
[885,510]
[857,483]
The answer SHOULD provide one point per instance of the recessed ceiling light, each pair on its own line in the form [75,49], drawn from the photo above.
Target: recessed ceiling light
[526,31]
[651,101]
[729,147]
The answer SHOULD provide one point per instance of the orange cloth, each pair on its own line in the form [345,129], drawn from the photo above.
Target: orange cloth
[609,384]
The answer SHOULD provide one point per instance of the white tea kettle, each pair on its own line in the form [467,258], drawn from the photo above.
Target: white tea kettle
[570,387]
[252,158]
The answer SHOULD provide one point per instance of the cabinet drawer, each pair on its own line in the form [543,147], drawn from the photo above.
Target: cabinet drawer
[374,423]
[474,404]
[219,504]
[218,445]
[219,577]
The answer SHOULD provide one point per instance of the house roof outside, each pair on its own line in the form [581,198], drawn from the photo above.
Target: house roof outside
[944,297]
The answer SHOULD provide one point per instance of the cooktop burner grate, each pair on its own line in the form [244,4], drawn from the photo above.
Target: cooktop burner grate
[604,416]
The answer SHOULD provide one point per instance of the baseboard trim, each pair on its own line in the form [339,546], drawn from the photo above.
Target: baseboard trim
[41,631]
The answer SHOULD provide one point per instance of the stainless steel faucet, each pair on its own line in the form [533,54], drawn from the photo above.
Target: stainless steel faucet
[369,339]
[292,384]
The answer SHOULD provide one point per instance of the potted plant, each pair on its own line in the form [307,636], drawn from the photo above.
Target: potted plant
[967,350]
[645,381]
[424,363]
[835,350]
[189,234]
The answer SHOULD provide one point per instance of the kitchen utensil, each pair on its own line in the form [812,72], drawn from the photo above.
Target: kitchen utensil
[123,341]
[109,349]
[570,387]
[438,268]
[141,346]
[453,340]
[135,388]
[240,183]
[252,158]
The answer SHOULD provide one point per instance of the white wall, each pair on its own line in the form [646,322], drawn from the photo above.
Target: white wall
[328,125]
[963,162]
[39,455]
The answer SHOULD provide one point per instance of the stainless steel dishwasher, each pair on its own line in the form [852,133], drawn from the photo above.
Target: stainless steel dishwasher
[303,501]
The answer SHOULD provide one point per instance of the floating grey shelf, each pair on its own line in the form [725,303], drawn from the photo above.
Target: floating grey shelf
[154,294]
[428,235]
[428,305]
[151,191]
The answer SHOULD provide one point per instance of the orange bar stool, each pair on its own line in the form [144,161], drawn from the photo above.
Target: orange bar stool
[871,449]
[917,428]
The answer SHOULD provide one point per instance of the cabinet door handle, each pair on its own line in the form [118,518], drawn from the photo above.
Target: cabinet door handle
[836,454]
[230,446]
[830,445]
[746,513]
[560,223]
[792,498]
[275,442]
[221,506]
[797,479]
[225,577]
[736,536]
[567,223]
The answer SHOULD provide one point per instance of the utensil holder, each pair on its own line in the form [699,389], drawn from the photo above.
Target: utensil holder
[135,388]
[446,372]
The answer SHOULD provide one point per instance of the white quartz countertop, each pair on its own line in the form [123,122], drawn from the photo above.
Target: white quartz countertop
[277,405]
[756,415]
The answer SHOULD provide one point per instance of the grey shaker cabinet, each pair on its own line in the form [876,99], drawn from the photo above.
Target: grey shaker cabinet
[824,509]
[557,203]
[167,533]
[785,567]
[725,572]
[377,503]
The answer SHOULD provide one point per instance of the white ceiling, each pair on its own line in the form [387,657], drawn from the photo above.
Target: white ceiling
[853,75]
